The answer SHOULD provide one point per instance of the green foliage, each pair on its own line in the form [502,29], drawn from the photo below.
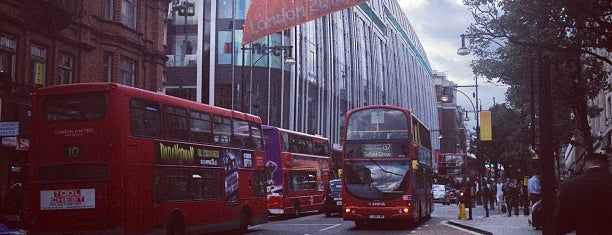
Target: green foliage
[510,142]
[509,39]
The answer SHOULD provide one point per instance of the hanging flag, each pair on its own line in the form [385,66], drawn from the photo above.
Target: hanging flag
[265,17]
[486,133]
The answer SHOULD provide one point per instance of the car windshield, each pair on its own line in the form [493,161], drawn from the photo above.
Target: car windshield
[335,186]
[438,187]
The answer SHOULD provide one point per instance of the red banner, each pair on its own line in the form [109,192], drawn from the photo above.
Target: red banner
[266,17]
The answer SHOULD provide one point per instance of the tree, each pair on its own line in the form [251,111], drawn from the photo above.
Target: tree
[510,37]
[509,145]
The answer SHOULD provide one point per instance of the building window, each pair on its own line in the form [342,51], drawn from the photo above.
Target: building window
[225,9]
[128,13]
[39,68]
[65,69]
[108,67]
[127,72]
[7,61]
[109,9]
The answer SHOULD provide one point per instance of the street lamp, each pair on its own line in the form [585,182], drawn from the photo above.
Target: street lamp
[463,50]
[264,50]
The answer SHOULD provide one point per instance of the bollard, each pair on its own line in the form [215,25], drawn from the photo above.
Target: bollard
[461,211]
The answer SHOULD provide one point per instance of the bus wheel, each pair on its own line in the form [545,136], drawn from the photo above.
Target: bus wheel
[176,225]
[245,220]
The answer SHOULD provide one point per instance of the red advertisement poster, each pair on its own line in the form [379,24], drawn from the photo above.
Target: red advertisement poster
[265,17]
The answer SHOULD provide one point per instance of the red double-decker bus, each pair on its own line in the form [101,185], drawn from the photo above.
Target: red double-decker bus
[299,169]
[112,159]
[387,173]
[453,168]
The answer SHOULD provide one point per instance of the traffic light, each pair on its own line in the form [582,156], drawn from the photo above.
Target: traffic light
[492,165]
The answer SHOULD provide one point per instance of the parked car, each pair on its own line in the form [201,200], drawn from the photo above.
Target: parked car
[333,200]
[441,194]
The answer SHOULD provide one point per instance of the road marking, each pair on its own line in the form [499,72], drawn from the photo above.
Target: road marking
[336,225]
[459,228]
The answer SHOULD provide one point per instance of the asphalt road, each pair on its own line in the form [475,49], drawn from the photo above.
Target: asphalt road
[317,223]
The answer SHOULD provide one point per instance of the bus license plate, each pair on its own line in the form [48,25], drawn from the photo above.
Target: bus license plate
[376,216]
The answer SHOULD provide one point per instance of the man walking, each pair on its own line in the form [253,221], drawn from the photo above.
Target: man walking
[499,193]
[583,202]
[535,190]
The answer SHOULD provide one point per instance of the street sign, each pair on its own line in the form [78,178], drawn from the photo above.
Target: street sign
[9,128]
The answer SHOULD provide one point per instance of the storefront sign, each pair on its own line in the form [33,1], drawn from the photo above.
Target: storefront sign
[9,128]
[9,141]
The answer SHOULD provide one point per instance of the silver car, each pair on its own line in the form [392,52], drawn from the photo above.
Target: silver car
[440,194]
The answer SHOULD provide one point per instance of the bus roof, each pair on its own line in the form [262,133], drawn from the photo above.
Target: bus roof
[268,127]
[141,93]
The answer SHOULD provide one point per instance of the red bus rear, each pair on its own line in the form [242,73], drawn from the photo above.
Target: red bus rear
[453,168]
[299,167]
[386,173]
[111,159]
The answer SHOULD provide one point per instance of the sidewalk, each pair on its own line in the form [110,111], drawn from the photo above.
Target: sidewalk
[496,223]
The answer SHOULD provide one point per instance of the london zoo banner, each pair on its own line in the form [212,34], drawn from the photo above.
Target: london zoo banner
[265,17]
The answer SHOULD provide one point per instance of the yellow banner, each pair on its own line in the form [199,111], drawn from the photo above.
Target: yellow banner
[486,134]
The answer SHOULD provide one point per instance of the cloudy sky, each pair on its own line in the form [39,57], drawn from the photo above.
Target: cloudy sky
[438,23]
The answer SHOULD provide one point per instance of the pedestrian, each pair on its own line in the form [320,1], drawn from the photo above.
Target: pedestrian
[499,193]
[535,189]
[486,191]
[492,193]
[512,198]
[583,202]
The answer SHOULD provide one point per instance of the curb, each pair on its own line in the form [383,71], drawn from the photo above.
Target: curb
[469,228]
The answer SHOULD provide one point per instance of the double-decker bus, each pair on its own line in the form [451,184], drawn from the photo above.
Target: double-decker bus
[453,168]
[386,171]
[299,169]
[112,159]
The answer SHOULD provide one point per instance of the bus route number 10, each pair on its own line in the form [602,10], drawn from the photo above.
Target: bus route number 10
[73,151]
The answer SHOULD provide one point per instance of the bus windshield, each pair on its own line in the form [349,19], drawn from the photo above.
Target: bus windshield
[380,180]
[371,124]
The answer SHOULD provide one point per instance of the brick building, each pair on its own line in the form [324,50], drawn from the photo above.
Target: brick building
[53,42]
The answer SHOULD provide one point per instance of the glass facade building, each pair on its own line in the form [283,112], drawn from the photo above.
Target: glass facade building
[365,55]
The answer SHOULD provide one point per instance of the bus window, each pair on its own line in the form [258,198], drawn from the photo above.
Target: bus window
[177,184]
[145,118]
[310,147]
[303,180]
[222,129]
[206,185]
[240,138]
[79,107]
[175,123]
[286,144]
[256,137]
[200,127]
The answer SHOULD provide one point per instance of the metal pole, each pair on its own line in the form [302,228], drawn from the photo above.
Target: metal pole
[546,145]
[242,82]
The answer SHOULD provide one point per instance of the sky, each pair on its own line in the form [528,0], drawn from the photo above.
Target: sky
[438,24]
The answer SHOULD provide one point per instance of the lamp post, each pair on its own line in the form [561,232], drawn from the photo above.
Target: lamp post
[264,50]
[463,51]
[475,107]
